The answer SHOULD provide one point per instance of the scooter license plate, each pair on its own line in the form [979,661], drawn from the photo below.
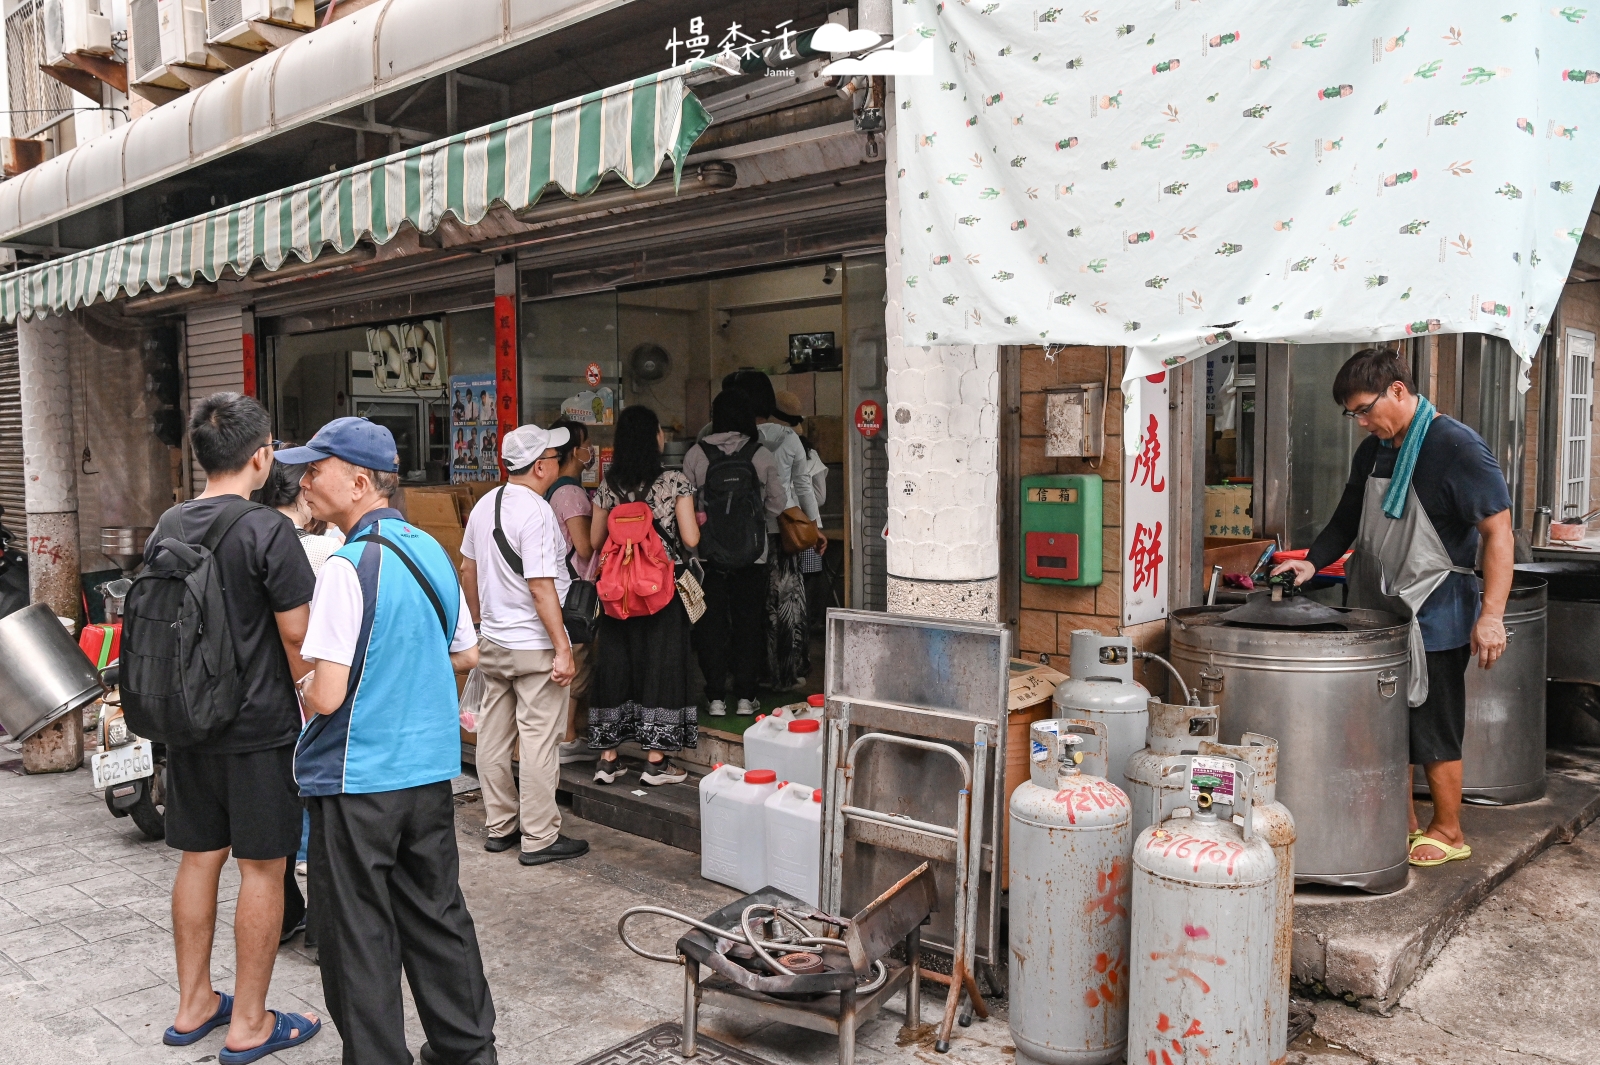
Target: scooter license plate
[122,764]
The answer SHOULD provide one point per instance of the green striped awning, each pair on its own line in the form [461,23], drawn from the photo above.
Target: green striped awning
[626,129]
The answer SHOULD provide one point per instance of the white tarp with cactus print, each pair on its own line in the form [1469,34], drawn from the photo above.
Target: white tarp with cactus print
[1167,175]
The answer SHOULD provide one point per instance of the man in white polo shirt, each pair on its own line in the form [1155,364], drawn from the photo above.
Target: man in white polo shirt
[515,575]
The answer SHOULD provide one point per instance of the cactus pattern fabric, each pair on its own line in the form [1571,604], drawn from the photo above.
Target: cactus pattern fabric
[1172,176]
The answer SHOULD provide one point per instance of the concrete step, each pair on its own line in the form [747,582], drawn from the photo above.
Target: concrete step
[669,813]
[1374,946]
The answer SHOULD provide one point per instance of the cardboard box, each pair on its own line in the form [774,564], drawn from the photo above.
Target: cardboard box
[1228,511]
[449,537]
[431,506]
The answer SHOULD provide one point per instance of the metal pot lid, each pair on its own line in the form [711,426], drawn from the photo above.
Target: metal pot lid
[1290,612]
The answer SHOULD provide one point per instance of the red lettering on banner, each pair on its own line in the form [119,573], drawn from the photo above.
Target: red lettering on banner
[505,363]
[1144,463]
[1146,557]
[247,359]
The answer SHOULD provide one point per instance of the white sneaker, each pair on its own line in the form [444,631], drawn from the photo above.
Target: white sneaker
[748,707]
[608,772]
[719,708]
[664,772]
[576,751]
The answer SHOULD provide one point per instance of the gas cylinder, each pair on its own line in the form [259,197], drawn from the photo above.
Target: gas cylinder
[1070,869]
[1275,824]
[1203,908]
[1102,688]
[1174,731]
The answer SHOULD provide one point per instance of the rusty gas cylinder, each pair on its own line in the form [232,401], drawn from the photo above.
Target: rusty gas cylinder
[1070,845]
[1201,974]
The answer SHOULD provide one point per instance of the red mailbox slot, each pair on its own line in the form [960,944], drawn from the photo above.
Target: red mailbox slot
[1052,554]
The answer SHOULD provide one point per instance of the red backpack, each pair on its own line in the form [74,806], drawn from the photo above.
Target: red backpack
[636,574]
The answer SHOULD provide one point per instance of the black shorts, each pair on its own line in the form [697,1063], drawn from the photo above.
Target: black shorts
[1439,723]
[249,802]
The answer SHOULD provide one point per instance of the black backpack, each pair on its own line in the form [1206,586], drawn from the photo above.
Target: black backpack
[735,532]
[180,678]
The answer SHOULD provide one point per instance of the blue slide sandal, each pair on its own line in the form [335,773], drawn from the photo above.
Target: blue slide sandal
[278,1040]
[174,1038]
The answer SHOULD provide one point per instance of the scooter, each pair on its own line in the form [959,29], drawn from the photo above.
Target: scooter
[13,571]
[131,770]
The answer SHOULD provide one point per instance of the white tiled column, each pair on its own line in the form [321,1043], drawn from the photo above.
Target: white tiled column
[943,428]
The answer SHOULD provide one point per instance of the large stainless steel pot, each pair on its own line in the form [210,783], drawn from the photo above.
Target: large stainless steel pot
[1572,666]
[1336,703]
[43,674]
[1502,753]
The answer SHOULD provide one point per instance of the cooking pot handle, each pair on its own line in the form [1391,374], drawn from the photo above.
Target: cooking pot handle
[1388,683]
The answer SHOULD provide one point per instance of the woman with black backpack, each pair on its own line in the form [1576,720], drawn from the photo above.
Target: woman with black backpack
[641,688]
[739,487]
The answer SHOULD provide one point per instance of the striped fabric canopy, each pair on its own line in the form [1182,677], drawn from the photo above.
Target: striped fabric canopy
[625,130]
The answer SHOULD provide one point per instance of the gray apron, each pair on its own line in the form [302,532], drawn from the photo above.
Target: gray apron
[1398,563]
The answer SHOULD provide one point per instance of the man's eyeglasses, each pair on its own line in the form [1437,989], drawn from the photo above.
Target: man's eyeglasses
[1363,411]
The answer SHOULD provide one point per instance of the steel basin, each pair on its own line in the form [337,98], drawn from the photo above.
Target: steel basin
[1502,753]
[1335,702]
[43,673]
[1572,666]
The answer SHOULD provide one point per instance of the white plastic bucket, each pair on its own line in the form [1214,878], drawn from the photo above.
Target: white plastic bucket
[794,841]
[733,827]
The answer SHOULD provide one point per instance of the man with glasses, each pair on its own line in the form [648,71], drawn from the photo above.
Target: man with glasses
[1423,490]
[515,575]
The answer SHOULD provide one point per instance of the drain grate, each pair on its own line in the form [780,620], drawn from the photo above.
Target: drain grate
[662,1045]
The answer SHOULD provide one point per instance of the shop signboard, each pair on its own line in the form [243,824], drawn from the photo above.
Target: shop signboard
[474,429]
[1146,526]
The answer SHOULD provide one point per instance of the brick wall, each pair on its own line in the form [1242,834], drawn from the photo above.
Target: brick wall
[1050,613]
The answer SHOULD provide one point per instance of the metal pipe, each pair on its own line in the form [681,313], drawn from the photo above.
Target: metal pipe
[1216,579]
[1188,698]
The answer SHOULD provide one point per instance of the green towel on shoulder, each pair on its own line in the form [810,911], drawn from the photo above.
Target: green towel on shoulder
[1405,464]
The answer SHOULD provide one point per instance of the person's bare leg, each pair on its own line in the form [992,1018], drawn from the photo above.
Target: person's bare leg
[1411,803]
[257,924]
[1444,782]
[194,923]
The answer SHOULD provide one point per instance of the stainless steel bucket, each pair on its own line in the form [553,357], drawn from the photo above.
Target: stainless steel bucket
[1502,754]
[43,674]
[1336,703]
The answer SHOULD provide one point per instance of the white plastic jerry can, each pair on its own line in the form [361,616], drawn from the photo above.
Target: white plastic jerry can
[794,841]
[789,746]
[733,826]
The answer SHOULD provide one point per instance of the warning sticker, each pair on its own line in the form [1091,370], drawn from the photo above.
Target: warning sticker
[1215,774]
[1041,751]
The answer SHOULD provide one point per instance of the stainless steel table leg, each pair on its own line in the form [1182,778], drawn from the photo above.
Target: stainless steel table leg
[914,988]
[691,1005]
[847,1027]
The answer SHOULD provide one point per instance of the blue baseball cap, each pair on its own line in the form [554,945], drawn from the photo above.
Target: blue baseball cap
[356,440]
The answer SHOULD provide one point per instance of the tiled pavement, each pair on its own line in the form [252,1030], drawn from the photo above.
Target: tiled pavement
[86,965]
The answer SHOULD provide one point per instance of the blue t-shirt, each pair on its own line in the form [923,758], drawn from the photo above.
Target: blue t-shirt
[1459,483]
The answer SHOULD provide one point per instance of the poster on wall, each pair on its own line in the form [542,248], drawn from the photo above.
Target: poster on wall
[408,356]
[1145,523]
[474,431]
[596,407]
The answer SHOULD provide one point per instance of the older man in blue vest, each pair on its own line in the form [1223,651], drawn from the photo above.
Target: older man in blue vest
[389,627]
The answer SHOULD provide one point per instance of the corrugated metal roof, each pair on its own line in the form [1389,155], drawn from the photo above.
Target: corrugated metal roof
[378,50]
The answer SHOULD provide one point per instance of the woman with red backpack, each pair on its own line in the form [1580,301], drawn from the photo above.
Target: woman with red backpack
[642,527]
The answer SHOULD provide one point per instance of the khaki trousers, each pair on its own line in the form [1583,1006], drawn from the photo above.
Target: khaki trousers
[522,704]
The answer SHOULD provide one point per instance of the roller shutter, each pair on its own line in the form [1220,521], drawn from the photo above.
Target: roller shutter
[214,350]
[11,433]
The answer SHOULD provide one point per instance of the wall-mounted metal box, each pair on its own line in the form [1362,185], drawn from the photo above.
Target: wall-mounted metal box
[1074,421]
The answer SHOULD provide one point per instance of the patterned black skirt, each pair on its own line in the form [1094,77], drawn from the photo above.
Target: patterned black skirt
[641,687]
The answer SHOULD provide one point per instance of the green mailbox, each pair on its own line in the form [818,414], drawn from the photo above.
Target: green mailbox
[1061,529]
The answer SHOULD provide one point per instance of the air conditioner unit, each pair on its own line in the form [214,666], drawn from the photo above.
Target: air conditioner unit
[237,23]
[74,26]
[168,34]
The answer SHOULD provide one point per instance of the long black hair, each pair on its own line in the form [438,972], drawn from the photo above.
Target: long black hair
[635,455]
[732,412]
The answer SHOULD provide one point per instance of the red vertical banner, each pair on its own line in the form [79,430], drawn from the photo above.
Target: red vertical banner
[247,359]
[505,362]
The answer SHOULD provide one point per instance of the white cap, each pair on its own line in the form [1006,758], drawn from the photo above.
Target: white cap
[523,445]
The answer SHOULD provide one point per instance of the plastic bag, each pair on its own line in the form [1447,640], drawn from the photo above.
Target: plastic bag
[471,696]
